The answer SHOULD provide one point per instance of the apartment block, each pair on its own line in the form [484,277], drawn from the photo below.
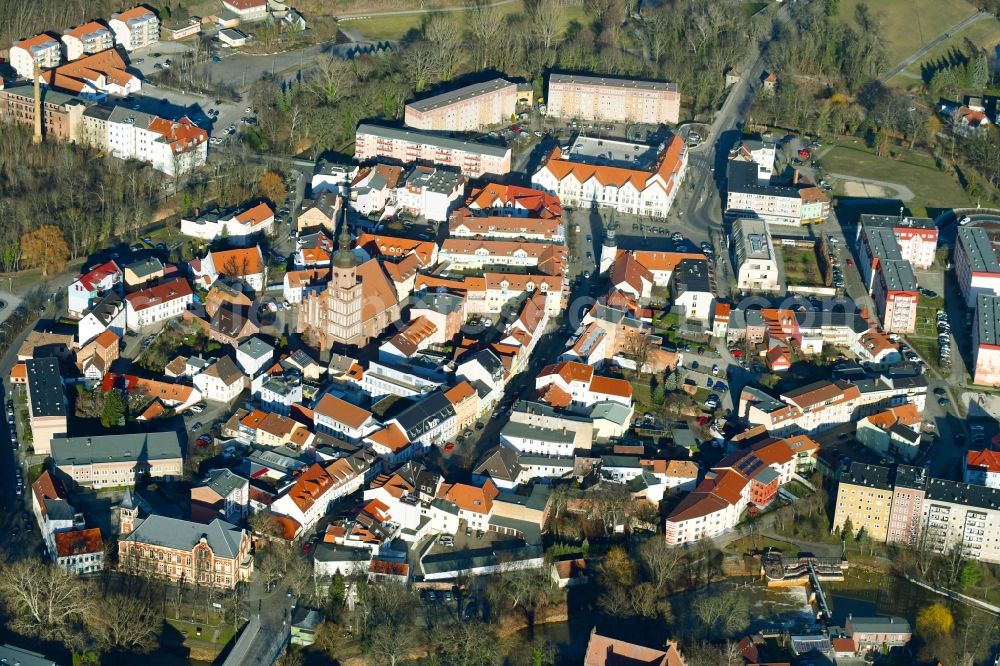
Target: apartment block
[986,341]
[753,256]
[408,146]
[895,294]
[41,50]
[613,100]
[46,402]
[976,265]
[135,28]
[906,513]
[91,37]
[916,237]
[864,499]
[792,205]
[888,274]
[465,109]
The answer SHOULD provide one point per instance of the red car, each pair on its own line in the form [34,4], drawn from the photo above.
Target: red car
[449,447]
[850,262]
[307,546]
[804,153]
[203,441]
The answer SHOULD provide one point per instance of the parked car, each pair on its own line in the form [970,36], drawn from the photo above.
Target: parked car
[197,426]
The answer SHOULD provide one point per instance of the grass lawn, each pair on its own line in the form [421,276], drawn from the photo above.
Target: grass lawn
[932,189]
[909,24]
[984,34]
[35,471]
[751,8]
[801,267]
[924,338]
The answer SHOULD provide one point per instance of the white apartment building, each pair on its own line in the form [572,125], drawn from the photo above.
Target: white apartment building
[965,515]
[537,440]
[135,28]
[472,254]
[613,100]
[236,225]
[40,49]
[156,304]
[630,178]
[754,257]
[976,265]
[342,419]
[172,147]
[791,205]
[220,382]
[90,37]
[465,109]
[374,142]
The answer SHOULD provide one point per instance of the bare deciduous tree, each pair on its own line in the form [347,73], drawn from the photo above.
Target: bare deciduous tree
[44,600]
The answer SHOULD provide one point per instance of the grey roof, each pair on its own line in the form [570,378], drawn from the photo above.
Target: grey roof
[59,509]
[441,302]
[881,242]
[440,181]
[530,531]
[610,411]
[326,552]
[751,240]
[255,348]
[501,551]
[879,624]
[224,539]
[115,448]
[99,111]
[988,318]
[692,276]
[233,33]
[488,360]
[49,95]
[612,83]
[979,249]
[444,505]
[631,462]
[127,116]
[898,275]
[967,494]
[424,415]
[766,475]
[145,267]
[742,177]
[107,308]
[830,319]
[224,482]
[499,463]
[325,202]
[897,222]
[911,477]
[45,387]
[432,139]
[459,94]
[515,429]
[552,461]
[870,476]
[10,654]
[225,369]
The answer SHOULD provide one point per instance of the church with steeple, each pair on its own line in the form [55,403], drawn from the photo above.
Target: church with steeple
[357,305]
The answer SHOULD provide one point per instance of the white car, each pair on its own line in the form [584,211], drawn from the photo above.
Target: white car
[964,221]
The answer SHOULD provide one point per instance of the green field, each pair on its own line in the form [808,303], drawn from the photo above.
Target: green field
[909,24]
[801,267]
[984,34]
[932,188]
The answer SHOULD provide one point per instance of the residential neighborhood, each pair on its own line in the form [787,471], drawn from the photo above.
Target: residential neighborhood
[536,331]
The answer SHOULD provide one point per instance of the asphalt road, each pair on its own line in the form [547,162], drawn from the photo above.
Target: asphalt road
[923,50]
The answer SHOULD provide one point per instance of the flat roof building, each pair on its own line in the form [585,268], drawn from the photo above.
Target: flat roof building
[408,146]
[753,256]
[615,100]
[976,265]
[986,341]
[465,109]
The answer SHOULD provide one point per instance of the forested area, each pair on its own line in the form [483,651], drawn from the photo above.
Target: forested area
[689,42]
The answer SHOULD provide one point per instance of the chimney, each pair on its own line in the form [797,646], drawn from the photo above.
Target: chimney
[37,138]
[88,441]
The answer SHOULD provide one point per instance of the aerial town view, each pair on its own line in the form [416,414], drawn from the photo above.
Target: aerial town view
[500,332]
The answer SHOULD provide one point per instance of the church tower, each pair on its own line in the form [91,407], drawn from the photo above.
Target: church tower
[345,267]
[128,512]
[609,248]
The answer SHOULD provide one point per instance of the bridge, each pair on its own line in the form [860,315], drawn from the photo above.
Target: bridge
[805,570]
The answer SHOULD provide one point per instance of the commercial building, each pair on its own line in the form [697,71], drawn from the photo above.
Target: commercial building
[135,28]
[753,256]
[976,267]
[41,50]
[986,341]
[46,402]
[887,273]
[613,100]
[465,109]
[792,205]
[408,146]
[62,114]
[627,177]
[118,460]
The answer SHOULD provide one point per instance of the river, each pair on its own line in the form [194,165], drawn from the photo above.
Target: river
[862,593]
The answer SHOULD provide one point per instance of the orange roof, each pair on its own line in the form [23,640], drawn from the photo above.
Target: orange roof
[73,76]
[107,339]
[489,225]
[985,460]
[46,487]
[253,419]
[570,371]
[19,371]
[310,486]
[377,291]
[729,485]
[79,542]
[396,247]
[905,414]
[161,293]
[520,281]
[611,386]
[342,411]
[36,40]
[395,485]
[134,13]
[470,498]
[181,134]
[722,310]
[162,390]
[460,392]
[555,396]
[86,28]
[307,277]
[289,527]
[668,163]
[801,443]
[843,645]
[538,203]
[686,469]
[256,215]
[391,437]
[656,260]
[154,410]
[243,261]
[386,568]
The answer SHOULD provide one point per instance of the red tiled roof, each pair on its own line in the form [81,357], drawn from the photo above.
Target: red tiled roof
[79,542]
[310,486]
[161,293]
[342,411]
[611,386]
[985,460]
[570,371]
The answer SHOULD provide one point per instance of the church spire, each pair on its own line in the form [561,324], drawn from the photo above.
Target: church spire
[344,258]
